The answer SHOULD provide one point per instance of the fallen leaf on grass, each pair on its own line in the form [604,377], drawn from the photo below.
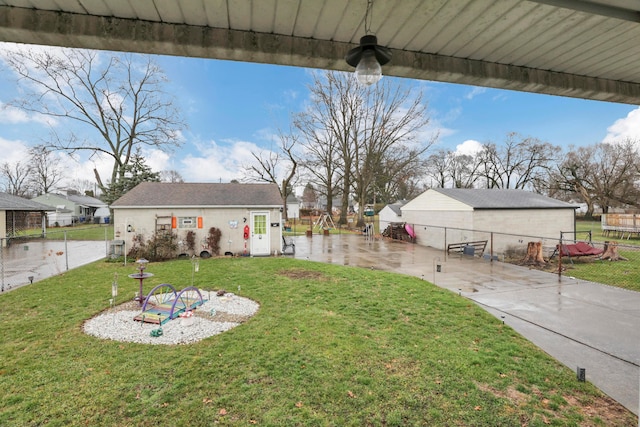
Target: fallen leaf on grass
[299,405]
[351,395]
[165,404]
[222,411]
[478,408]
[253,422]
[206,400]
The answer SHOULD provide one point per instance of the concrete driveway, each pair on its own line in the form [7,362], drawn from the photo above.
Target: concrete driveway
[40,259]
[581,324]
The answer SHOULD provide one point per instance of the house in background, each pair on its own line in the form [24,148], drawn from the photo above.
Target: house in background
[293,207]
[18,216]
[390,213]
[249,216]
[60,217]
[513,216]
[82,208]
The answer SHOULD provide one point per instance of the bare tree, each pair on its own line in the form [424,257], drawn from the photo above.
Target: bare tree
[82,186]
[45,170]
[601,174]
[309,196]
[320,144]
[516,163]
[277,167]
[118,103]
[573,177]
[401,177]
[387,136]
[16,178]
[463,170]
[171,176]
[362,140]
[326,126]
[437,167]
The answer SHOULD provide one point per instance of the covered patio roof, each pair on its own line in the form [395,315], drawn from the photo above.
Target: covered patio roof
[576,48]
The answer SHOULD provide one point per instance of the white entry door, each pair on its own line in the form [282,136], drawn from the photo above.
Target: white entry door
[260,233]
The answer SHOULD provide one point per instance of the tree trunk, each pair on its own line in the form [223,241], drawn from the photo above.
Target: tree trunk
[534,254]
[611,252]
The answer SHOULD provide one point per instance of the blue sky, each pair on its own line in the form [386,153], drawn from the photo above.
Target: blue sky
[234,108]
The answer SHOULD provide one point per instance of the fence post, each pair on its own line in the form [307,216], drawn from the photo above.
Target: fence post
[2,262]
[66,252]
[560,259]
[491,249]
[445,243]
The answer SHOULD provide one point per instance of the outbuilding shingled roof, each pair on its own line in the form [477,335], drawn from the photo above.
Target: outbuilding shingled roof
[479,198]
[165,194]
[9,202]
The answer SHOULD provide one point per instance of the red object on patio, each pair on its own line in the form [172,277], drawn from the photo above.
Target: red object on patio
[579,249]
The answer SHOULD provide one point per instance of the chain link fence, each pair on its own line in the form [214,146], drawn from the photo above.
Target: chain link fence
[584,256]
[614,262]
[26,257]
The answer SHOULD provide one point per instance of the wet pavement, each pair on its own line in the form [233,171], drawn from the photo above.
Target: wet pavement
[40,259]
[581,324]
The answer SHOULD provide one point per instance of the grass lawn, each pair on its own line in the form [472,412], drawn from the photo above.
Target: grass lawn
[79,232]
[299,227]
[82,232]
[330,346]
[583,226]
[623,274]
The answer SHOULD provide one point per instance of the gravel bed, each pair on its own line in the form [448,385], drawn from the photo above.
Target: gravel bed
[215,316]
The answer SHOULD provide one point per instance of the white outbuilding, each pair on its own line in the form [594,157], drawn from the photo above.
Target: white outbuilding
[390,214]
[247,218]
[505,219]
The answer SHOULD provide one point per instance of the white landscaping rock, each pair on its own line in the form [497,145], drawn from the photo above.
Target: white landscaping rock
[119,325]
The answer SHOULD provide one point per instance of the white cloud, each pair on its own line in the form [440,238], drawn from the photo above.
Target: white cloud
[216,162]
[13,151]
[77,168]
[157,160]
[469,147]
[291,95]
[12,115]
[626,128]
[9,114]
[475,92]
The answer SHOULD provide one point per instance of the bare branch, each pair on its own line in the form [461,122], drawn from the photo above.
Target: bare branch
[118,102]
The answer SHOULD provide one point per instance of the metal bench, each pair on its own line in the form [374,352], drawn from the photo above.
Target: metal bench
[288,243]
[468,248]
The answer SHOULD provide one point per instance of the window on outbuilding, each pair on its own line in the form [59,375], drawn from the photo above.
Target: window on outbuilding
[260,224]
[187,222]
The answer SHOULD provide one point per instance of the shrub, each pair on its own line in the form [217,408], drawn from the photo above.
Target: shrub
[191,240]
[213,240]
[159,247]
